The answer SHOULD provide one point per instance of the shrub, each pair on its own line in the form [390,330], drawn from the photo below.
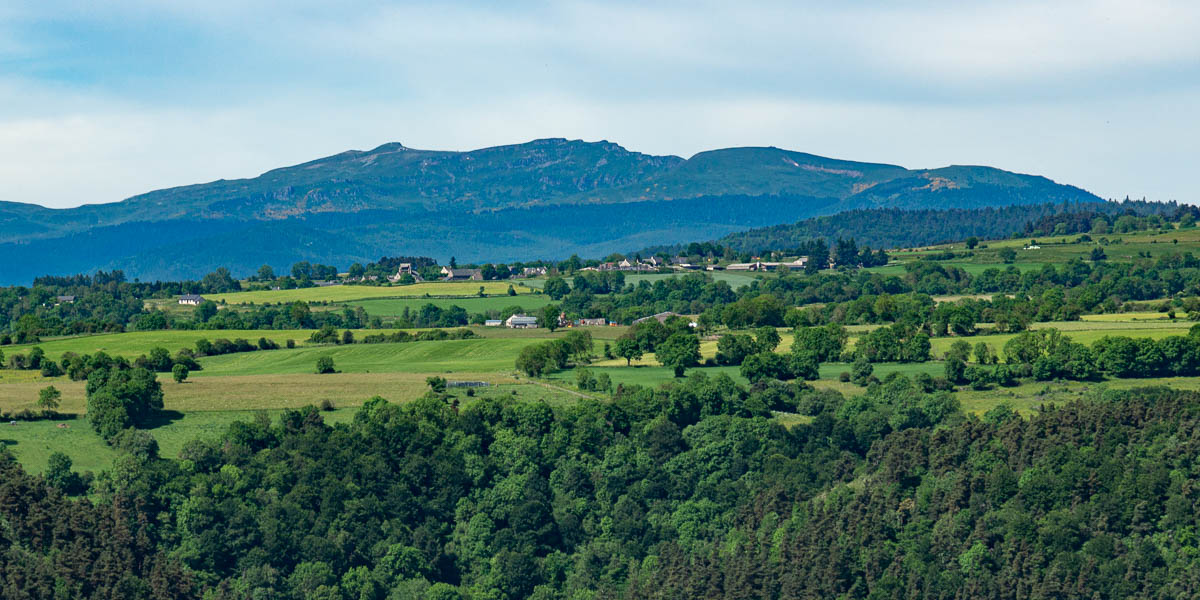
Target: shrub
[861,370]
[48,397]
[325,365]
[436,384]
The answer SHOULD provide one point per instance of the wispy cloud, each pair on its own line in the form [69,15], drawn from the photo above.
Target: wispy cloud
[102,101]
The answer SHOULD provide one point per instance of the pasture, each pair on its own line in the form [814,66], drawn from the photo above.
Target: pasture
[135,343]
[447,356]
[394,307]
[346,293]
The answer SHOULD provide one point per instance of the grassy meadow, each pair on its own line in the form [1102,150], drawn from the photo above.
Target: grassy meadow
[346,293]
[394,307]
[135,343]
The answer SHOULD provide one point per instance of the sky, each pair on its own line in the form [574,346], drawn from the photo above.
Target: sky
[102,101]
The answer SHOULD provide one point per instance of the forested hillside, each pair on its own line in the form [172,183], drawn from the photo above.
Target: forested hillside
[896,227]
[689,491]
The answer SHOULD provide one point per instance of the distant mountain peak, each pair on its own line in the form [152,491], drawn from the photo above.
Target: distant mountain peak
[535,199]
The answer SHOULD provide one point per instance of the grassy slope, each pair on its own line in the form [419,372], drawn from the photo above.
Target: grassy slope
[473,355]
[394,307]
[134,344]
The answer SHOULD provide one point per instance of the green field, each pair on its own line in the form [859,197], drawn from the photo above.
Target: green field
[1052,250]
[449,356]
[346,293]
[1084,332]
[734,279]
[32,442]
[394,307]
[136,343]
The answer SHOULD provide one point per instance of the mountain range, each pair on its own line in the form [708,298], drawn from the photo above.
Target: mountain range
[543,199]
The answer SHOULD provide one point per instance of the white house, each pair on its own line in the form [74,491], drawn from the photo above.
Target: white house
[191,299]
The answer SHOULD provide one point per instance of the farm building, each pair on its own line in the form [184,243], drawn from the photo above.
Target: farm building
[449,274]
[493,323]
[593,322]
[521,322]
[191,299]
[402,270]
[64,299]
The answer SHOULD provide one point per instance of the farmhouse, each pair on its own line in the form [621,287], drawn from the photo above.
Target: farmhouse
[191,299]
[521,322]
[533,272]
[449,274]
[402,270]
[64,299]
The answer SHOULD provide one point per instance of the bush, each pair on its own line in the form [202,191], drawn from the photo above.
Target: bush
[979,377]
[436,384]
[48,397]
[179,373]
[766,365]
[119,398]
[325,365]
[326,405]
[51,369]
[956,371]
[291,344]
[861,370]
[60,475]
[804,365]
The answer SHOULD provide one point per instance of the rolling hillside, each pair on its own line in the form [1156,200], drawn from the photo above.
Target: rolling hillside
[542,199]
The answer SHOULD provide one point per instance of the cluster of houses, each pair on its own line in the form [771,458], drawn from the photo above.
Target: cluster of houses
[527,322]
[768,266]
[454,274]
[649,264]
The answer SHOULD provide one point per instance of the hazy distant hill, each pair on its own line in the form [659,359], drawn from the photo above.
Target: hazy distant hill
[542,199]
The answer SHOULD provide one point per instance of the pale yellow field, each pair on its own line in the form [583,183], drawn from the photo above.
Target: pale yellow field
[1131,317]
[248,392]
[345,293]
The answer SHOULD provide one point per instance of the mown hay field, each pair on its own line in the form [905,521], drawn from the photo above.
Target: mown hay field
[346,293]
